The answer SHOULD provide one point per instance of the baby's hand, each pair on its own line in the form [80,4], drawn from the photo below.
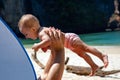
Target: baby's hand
[35,47]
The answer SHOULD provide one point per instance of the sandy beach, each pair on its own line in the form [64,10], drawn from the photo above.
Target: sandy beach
[113,53]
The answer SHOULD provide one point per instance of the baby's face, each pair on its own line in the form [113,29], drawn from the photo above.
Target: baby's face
[28,33]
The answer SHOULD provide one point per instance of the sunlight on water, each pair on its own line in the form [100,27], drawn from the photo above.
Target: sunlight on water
[103,38]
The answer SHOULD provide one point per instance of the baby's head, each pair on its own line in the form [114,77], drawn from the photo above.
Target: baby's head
[29,26]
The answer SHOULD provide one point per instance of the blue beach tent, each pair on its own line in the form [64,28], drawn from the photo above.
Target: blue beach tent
[15,63]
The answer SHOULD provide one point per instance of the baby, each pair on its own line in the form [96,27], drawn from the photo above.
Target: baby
[30,27]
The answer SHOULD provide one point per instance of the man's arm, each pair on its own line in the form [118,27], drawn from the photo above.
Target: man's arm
[57,47]
[55,65]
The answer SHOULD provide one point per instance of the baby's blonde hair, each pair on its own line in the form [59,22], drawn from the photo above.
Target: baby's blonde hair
[28,21]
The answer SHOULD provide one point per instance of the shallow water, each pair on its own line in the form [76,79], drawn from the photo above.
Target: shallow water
[103,38]
[100,39]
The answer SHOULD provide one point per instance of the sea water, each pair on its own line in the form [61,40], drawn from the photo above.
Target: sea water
[102,38]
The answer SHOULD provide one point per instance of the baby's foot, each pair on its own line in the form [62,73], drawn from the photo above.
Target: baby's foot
[105,60]
[93,71]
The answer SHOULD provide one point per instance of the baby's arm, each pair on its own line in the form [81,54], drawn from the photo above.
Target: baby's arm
[45,42]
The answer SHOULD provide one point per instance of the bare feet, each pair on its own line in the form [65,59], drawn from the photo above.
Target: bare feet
[105,60]
[93,70]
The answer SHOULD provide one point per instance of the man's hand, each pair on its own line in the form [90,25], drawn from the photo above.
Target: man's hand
[57,39]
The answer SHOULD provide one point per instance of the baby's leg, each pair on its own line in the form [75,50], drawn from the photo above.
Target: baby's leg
[93,66]
[102,57]
[79,44]
[88,59]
